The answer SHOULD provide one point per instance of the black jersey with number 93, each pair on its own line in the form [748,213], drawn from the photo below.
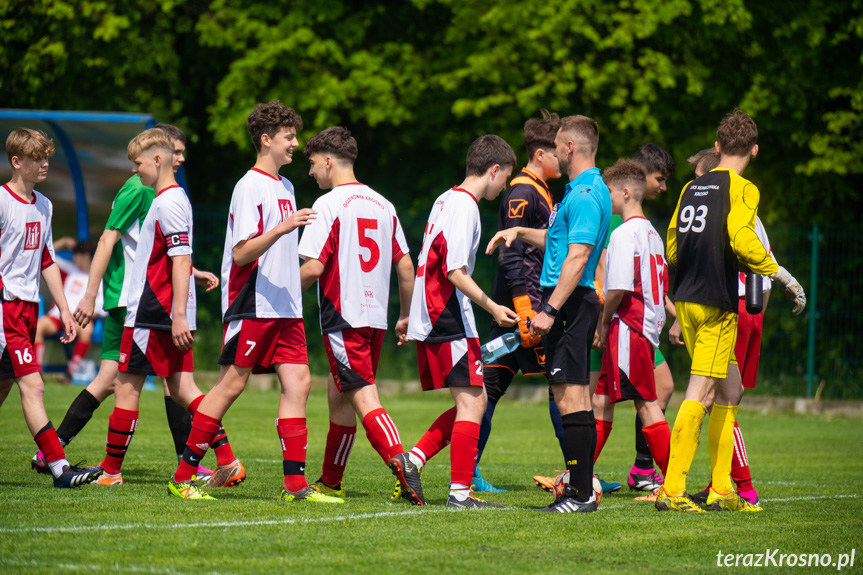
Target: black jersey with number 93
[706,265]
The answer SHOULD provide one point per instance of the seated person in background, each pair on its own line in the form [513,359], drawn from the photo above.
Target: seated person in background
[74,276]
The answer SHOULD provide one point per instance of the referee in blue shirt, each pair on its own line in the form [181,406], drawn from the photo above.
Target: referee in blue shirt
[573,245]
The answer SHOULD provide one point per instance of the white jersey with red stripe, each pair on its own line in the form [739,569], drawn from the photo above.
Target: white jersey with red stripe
[741,276]
[636,264]
[74,288]
[268,287]
[439,311]
[165,233]
[26,244]
[357,236]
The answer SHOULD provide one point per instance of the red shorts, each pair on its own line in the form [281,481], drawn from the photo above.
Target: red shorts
[261,343]
[627,365]
[354,355]
[747,350]
[152,352]
[57,323]
[17,334]
[456,363]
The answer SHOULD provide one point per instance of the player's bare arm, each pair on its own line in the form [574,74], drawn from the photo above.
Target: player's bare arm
[405,275]
[180,332]
[570,274]
[54,281]
[207,280]
[247,251]
[505,238]
[86,307]
[310,272]
[612,302]
[65,243]
[504,316]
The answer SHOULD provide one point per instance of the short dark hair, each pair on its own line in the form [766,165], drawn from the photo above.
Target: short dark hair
[485,152]
[707,158]
[173,132]
[539,133]
[335,141]
[654,158]
[737,133]
[626,172]
[85,247]
[269,118]
[584,132]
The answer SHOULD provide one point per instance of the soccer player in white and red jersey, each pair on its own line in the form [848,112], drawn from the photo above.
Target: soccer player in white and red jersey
[26,250]
[442,320]
[261,308]
[110,270]
[636,281]
[161,308]
[350,250]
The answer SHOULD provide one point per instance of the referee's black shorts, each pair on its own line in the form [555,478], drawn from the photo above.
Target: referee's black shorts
[568,343]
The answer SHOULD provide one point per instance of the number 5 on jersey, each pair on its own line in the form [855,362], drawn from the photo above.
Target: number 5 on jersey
[364,225]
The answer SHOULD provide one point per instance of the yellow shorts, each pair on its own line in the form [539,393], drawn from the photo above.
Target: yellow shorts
[709,334]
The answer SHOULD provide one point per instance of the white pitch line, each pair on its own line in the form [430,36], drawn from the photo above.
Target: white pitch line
[812,497]
[65,529]
[75,529]
[93,568]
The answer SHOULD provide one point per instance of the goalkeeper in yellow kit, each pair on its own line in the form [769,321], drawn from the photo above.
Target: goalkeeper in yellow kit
[711,236]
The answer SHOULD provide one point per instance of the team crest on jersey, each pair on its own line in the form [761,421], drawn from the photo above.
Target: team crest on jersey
[553,215]
[33,236]
[286,209]
[540,355]
[516,208]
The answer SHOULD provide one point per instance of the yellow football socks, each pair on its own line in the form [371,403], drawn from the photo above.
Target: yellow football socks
[720,442]
[684,443]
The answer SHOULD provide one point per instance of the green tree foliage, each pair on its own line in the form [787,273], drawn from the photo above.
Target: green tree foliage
[417,81]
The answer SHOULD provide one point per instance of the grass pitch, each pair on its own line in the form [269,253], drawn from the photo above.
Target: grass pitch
[808,470]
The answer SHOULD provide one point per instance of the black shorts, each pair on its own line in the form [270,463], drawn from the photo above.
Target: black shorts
[568,343]
[528,360]
[498,376]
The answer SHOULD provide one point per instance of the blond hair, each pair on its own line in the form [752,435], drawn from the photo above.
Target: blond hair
[33,144]
[152,138]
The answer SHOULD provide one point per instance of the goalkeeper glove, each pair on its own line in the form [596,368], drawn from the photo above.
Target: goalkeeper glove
[793,289]
[525,314]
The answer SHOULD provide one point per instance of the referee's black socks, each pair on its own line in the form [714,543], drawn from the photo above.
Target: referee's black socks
[579,431]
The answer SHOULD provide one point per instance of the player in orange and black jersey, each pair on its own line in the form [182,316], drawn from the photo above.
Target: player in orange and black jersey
[528,203]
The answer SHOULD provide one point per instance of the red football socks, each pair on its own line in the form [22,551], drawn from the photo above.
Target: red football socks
[603,430]
[294,437]
[463,451]
[340,441]
[121,428]
[740,463]
[382,434]
[437,437]
[220,444]
[49,444]
[658,438]
[204,430]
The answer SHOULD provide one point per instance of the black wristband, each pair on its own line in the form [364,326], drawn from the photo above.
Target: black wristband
[548,310]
